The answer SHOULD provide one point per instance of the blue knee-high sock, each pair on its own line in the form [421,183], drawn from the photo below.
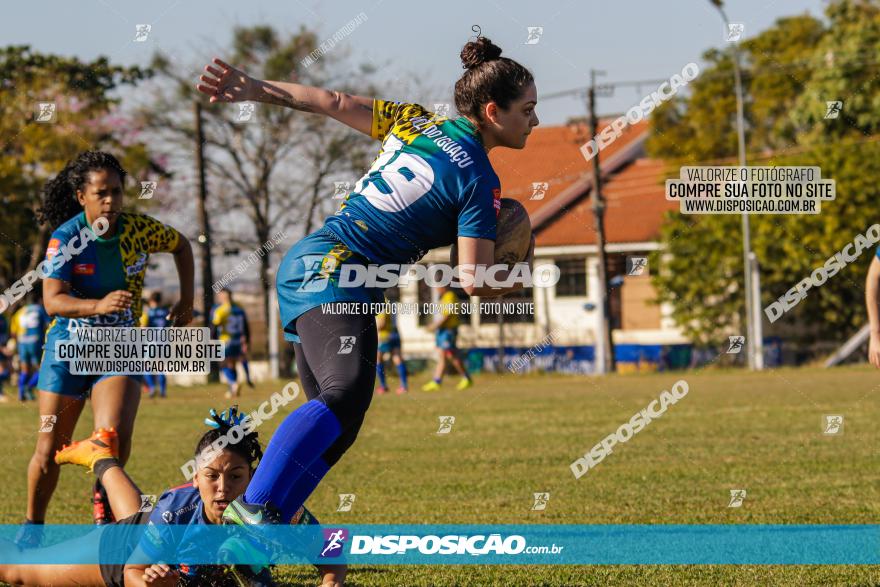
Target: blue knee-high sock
[303,487]
[163,384]
[148,379]
[22,385]
[380,371]
[230,374]
[401,370]
[34,380]
[300,439]
[247,370]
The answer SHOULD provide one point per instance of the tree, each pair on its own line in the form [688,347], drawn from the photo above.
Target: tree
[277,172]
[84,118]
[790,71]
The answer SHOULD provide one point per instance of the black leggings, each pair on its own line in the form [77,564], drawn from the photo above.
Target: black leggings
[336,361]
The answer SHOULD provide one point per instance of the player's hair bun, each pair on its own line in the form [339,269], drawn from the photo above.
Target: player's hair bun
[475,53]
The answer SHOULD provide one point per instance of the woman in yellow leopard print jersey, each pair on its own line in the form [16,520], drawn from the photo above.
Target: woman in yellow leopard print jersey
[96,258]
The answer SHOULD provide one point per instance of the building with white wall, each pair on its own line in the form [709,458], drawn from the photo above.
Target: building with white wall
[555,184]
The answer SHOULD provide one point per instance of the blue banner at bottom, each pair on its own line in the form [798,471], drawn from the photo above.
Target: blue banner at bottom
[451,544]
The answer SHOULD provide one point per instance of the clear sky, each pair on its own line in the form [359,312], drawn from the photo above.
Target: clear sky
[629,40]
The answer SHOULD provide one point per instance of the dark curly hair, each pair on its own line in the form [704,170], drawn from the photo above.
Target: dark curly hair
[247,448]
[489,78]
[59,193]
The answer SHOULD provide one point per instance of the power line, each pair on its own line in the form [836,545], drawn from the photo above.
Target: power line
[815,65]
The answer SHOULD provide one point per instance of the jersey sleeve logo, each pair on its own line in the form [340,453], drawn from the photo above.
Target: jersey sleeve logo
[496,195]
[138,265]
[52,250]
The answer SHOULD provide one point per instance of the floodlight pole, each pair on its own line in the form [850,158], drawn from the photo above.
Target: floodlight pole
[754,329]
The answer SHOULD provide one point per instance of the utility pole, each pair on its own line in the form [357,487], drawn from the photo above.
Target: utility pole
[204,233]
[751,269]
[609,364]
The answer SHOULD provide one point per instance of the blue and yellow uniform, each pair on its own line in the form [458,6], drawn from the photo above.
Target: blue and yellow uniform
[4,331]
[174,527]
[389,337]
[4,368]
[155,317]
[448,332]
[29,326]
[232,326]
[104,265]
[431,183]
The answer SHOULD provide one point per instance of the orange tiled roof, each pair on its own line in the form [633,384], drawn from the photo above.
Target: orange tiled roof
[634,194]
[635,203]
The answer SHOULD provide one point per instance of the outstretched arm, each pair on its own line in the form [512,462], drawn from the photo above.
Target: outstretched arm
[224,83]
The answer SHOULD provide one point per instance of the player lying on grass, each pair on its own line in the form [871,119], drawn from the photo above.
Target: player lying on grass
[216,483]
[432,185]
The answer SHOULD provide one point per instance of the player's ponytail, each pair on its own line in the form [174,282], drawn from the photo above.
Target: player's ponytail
[248,447]
[489,78]
[476,53]
[59,193]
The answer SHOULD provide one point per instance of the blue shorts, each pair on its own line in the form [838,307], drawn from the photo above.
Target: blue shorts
[446,339]
[233,349]
[309,276]
[55,376]
[389,345]
[30,353]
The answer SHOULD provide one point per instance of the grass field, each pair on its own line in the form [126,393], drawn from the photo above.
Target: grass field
[516,435]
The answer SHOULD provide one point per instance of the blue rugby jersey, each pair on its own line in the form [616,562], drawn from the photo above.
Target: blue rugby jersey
[179,506]
[108,264]
[431,183]
[155,317]
[30,324]
[231,322]
[174,527]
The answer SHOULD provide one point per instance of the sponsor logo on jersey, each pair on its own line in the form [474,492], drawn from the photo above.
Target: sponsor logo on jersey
[84,269]
[53,248]
[496,194]
[456,152]
[138,265]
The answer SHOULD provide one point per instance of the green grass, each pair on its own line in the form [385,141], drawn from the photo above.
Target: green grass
[516,435]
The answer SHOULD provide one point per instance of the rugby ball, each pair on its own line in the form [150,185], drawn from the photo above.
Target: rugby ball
[513,235]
